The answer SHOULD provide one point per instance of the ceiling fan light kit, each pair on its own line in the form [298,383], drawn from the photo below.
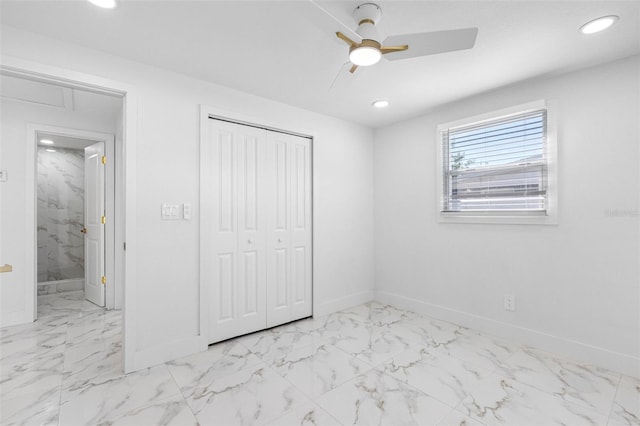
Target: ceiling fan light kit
[366,54]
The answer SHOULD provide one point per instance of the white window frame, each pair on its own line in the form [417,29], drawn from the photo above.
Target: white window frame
[496,217]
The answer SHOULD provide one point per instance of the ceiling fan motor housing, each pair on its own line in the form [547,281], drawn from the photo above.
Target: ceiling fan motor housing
[367,16]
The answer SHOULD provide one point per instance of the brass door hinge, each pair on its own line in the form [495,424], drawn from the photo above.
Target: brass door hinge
[103,220]
[104,280]
[104,159]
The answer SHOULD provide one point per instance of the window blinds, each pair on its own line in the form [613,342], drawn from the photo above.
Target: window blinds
[496,166]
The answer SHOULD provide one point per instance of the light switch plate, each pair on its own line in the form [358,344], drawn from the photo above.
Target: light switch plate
[186,211]
[170,211]
[3,176]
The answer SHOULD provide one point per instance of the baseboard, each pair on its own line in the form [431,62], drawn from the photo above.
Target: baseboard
[14,318]
[341,303]
[166,352]
[623,363]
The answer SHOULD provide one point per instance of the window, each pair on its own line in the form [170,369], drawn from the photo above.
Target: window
[499,167]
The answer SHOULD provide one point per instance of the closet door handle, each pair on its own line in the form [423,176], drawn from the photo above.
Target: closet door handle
[83,230]
[250,241]
[279,240]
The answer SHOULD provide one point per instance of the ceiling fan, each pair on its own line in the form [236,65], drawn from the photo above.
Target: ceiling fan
[367,48]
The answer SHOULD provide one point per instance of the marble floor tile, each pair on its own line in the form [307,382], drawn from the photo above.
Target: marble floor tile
[201,369]
[626,406]
[276,342]
[307,414]
[370,364]
[375,398]
[480,349]
[89,360]
[368,342]
[254,395]
[456,418]
[37,374]
[468,345]
[386,315]
[360,313]
[591,387]
[31,409]
[171,411]
[427,331]
[318,368]
[105,398]
[54,324]
[89,306]
[332,325]
[18,351]
[501,401]
[60,303]
[441,376]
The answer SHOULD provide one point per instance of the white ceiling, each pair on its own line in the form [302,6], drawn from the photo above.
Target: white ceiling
[284,51]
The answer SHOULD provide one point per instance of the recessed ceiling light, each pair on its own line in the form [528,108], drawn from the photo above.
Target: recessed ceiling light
[599,24]
[105,4]
[380,104]
[50,150]
[46,141]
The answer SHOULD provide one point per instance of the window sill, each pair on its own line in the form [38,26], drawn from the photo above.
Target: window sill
[506,219]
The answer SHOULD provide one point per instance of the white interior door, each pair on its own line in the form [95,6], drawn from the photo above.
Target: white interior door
[94,219]
[252,272]
[288,228]
[256,228]
[233,229]
[301,228]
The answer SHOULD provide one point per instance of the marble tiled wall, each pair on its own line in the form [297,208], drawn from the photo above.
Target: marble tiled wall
[60,214]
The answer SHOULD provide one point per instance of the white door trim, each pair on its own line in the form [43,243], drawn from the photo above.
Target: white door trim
[110,230]
[34,70]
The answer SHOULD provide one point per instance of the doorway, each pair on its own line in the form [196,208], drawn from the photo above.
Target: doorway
[72,181]
[18,187]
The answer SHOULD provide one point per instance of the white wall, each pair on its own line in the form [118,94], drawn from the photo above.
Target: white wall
[576,284]
[167,171]
[15,117]
[60,215]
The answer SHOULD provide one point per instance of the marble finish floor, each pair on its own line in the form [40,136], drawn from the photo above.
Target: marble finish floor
[369,365]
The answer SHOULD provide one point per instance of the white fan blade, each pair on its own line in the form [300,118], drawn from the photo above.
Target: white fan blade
[431,43]
[345,76]
[342,76]
[330,24]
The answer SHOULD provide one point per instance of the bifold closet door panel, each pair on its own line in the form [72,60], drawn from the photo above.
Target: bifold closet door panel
[233,261]
[252,262]
[288,228]
[301,228]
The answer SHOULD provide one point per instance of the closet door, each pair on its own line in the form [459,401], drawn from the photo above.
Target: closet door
[252,265]
[233,262]
[288,228]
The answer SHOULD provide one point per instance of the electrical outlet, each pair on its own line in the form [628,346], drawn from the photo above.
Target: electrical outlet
[509,302]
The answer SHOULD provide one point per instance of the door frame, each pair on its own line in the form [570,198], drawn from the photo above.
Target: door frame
[125,218]
[111,203]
